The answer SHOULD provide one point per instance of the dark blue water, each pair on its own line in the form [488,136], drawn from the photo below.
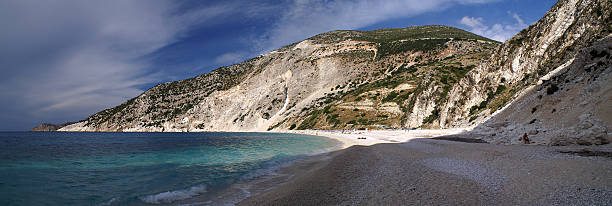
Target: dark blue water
[138,168]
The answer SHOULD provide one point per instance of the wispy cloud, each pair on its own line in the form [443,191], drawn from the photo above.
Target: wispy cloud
[498,32]
[305,18]
[230,58]
[71,58]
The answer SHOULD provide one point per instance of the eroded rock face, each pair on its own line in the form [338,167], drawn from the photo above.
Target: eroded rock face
[272,87]
[521,61]
[508,95]
[280,88]
[570,106]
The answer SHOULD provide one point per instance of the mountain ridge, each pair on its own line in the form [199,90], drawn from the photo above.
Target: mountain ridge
[428,76]
[362,50]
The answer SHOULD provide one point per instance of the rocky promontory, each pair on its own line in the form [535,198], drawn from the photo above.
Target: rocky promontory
[46,127]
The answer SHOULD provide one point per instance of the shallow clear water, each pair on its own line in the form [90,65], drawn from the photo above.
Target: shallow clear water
[52,168]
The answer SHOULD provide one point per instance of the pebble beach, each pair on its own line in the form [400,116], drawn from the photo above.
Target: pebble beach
[412,168]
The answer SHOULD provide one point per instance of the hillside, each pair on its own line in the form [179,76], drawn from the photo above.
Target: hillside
[427,76]
[553,77]
[276,90]
[567,50]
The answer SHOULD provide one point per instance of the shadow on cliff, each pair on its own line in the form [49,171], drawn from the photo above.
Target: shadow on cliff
[570,105]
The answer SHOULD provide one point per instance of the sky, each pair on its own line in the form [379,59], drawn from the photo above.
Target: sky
[64,60]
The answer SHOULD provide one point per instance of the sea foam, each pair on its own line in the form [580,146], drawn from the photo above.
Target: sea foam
[171,196]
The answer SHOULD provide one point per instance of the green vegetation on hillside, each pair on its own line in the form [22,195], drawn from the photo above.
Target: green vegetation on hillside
[344,112]
[399,40]
[395,47]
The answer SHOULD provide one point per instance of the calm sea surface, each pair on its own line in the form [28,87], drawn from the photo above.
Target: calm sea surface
[52,168]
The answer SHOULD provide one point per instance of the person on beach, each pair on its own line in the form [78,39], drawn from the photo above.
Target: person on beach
[525,139]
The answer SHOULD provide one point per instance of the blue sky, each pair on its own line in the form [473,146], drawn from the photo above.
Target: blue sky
[63,60]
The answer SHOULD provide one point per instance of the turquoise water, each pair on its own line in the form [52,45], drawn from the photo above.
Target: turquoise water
[139,168]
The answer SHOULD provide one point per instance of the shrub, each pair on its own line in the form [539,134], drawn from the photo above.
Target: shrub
[433,116]
[472,118]
[475,108]
[201,126]
[390,97]
[326,110]
[401,98]
[332,118]
[500,89]
[526,77]
[310,122]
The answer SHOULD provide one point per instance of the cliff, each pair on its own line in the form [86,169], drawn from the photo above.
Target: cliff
[550,81]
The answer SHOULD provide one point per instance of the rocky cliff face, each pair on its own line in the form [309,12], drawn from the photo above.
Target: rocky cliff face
[570,105]
[521,61]
[284,87]
[550,55]
[432,77]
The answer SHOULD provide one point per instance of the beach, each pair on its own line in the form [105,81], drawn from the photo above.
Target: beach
[411,168]
[370,137]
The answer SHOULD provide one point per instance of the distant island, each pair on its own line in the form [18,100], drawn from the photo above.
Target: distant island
[47,127]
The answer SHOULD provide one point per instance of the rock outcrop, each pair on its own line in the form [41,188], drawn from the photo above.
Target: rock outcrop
[520,62]
[555,81]
[46,127]
[571,105]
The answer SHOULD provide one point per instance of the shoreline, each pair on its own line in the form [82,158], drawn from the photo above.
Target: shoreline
[350,137]
[395,168]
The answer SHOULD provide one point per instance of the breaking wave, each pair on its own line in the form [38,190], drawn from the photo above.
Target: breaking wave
[171,196]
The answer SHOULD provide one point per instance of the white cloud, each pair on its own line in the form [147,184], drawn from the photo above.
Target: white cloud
[72,58]
[472,22]
[305,18]
[496,32]
[230,58]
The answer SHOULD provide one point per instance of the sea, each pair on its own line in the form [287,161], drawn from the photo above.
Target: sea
[72,168]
